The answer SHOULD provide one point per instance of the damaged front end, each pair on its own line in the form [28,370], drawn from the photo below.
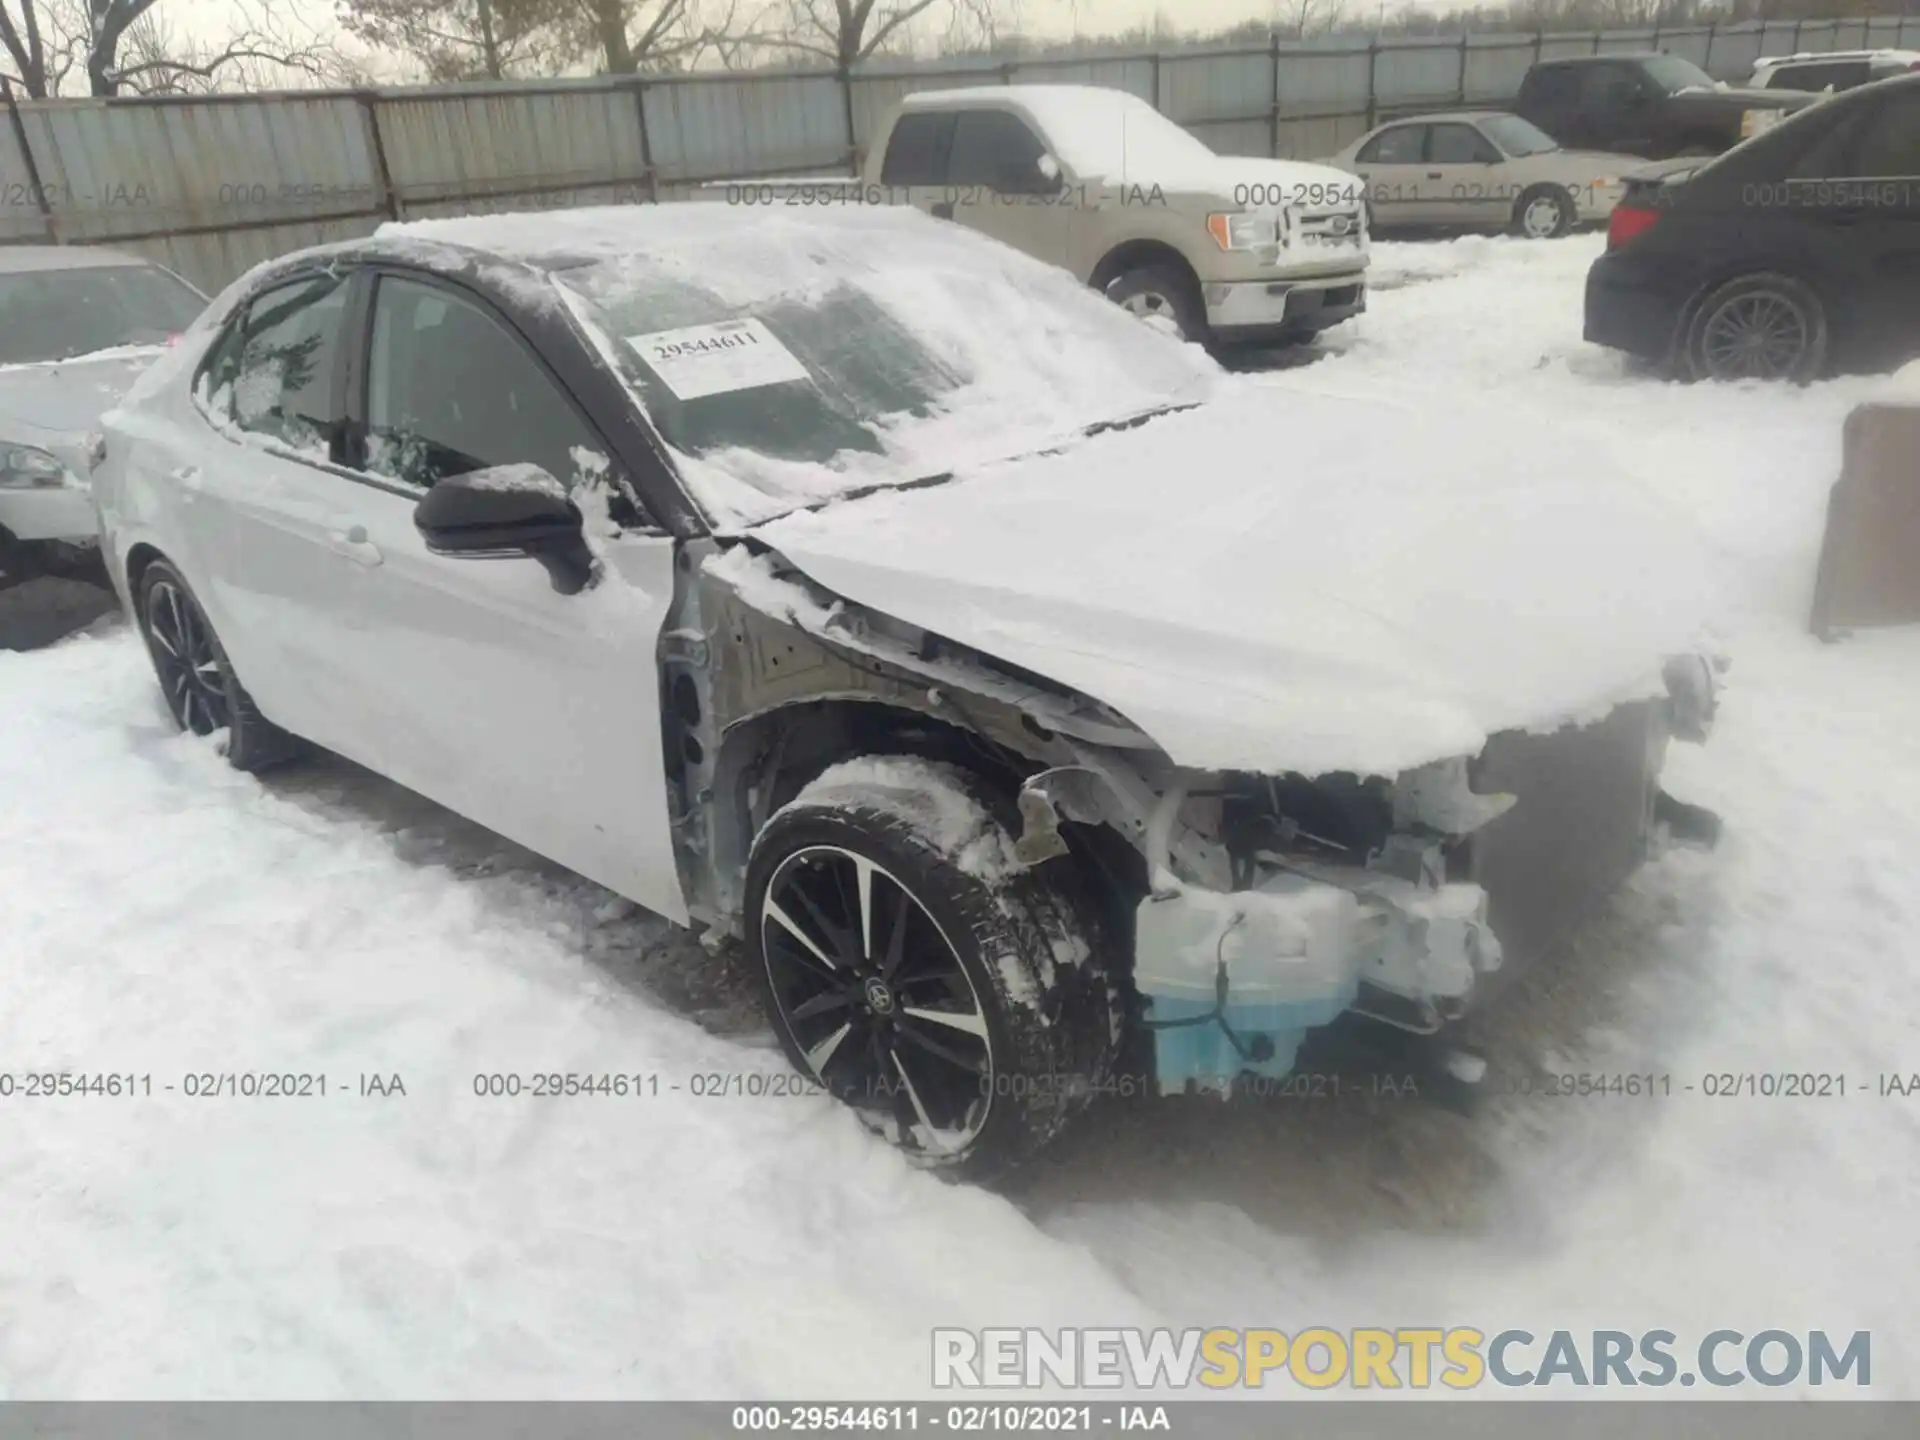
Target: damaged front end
[1275,905]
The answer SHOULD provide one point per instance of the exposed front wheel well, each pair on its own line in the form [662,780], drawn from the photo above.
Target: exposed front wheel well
[1135,255]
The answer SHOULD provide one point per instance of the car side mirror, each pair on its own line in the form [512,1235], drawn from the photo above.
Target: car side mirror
[1040,178]
[508,510]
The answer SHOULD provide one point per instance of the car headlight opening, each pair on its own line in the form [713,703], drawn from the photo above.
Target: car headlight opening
[25,467]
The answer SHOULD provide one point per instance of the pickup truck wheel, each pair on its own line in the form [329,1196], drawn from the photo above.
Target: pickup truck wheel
[196,679]
[1544,212]
[1161,294]
[1758,327]
[908,965]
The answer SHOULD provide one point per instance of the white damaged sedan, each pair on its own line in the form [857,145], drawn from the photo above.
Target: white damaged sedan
[1011,681]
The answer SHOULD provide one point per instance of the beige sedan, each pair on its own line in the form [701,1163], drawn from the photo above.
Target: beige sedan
[1482,170]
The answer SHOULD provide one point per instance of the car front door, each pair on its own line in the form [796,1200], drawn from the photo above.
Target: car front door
[1393,166]
[533,713]
[995,184]
[1465,171]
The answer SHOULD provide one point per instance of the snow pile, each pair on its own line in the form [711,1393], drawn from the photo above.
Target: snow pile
[167,916]
[935,800]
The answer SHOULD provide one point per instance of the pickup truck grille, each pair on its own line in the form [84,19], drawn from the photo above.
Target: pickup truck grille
[1577,832]
[1334,228]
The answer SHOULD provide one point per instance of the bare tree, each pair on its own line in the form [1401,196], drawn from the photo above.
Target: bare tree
[461,39]
[265,50]
[131,45]
[845,32]
[40,44]
[625,37]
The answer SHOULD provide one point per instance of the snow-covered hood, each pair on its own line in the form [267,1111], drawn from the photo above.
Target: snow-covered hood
[1288,579]
[1228,178]
[56,405]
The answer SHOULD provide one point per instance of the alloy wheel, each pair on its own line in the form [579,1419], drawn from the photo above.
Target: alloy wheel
[875,997]
[185,657]
[1758,334]
[1541,219]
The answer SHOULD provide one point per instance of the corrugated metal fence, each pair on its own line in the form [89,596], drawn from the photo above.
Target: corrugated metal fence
[212,185]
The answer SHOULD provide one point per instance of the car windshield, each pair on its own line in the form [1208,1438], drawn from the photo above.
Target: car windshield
[786,361]
[1518,137]
[59,314]
[1672,74]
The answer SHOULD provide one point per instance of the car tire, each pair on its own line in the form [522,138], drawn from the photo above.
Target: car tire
[20,561]
[1764,327]
[1544,212]
[1162,293]
[909,967]
[197,682]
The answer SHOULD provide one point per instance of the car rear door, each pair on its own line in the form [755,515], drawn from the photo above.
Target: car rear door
[1393,165]
[534,713]
[250,500]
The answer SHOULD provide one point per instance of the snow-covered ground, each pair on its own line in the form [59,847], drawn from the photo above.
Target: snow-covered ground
[165,916]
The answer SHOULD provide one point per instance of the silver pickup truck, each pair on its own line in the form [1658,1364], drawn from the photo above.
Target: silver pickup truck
[1230,249]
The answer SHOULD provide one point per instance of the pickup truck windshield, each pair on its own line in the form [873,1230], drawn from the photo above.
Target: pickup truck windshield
[1672,74]
[788,361]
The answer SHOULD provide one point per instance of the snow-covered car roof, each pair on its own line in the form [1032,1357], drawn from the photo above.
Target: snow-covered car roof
[1093,129]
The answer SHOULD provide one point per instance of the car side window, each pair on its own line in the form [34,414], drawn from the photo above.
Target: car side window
[275,370]
[1556,87]
[917,149]
[1459,145]
[450,391]
[1610,87]
[990,147]
[1399,146]
[1890,146]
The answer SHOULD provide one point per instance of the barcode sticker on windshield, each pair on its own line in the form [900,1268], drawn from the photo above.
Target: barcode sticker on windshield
[713,359]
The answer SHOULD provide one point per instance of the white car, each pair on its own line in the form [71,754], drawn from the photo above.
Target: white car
[1482,170]
[77,324]
[1008,676]
[1835,70]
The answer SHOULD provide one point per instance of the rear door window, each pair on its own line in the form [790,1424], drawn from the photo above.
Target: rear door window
[276,371]
[1555,87]
[917,149]
[1402,145]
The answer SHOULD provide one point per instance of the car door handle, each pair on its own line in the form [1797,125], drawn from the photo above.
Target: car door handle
[1435,175]
[943,210]
[354,544]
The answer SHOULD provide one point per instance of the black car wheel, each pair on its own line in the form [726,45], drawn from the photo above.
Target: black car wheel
[1161,294]
[196,679]
[1546,212]
[1759,327]
[953,999]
